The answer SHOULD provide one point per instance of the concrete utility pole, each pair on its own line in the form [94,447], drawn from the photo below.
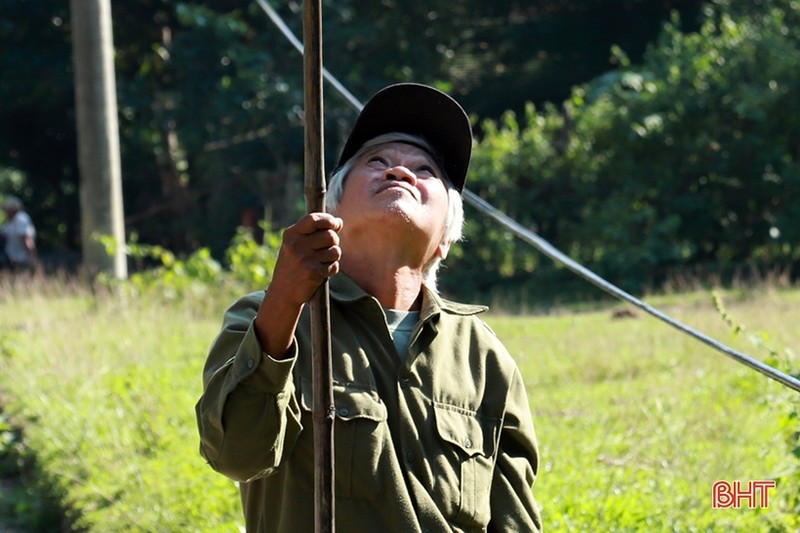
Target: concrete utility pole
[98,136]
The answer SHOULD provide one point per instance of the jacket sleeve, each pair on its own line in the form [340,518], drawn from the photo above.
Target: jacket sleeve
[248,416]
[512,502]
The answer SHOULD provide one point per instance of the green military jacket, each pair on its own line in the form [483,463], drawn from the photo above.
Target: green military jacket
[441,440]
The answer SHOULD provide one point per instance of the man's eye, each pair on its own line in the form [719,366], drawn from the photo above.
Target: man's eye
[426,170]
[378,159]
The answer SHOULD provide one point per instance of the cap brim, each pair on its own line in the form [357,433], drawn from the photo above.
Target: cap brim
[418,110]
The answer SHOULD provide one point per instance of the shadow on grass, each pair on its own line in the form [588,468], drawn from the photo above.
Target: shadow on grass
[27,504]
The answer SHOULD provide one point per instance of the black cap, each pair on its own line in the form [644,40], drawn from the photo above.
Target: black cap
[418,110]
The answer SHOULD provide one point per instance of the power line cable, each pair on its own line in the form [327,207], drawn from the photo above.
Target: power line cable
[553,253]
[287,32]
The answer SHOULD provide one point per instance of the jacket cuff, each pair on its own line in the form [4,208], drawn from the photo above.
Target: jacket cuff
[260,369]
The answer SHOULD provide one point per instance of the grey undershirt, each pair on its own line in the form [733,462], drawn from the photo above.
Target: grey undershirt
[401,324]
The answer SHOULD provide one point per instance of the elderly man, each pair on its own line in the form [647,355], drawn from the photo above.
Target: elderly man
[19,235]
[433,430]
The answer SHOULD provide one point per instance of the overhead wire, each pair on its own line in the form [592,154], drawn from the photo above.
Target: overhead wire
[552,252]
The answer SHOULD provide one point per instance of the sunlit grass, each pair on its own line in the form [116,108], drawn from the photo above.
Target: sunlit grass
[105,391]
[636,421]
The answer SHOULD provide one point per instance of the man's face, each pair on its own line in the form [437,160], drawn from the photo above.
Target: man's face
[397,185]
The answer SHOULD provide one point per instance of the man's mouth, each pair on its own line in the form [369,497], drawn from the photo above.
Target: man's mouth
[397,185]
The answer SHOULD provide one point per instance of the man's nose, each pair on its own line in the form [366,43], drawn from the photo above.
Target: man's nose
[401,173]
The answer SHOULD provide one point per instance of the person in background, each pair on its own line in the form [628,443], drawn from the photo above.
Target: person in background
[433,430]
[19,236]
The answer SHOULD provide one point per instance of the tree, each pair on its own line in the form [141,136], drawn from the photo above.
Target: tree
[38,152]
[687,162]
[210,94]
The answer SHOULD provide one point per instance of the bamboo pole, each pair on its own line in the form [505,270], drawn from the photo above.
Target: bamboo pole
[323,407]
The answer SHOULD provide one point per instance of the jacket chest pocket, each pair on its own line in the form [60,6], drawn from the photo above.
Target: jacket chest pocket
[359,434]
[469,442]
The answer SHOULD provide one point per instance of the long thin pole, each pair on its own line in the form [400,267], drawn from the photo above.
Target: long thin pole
[98,137]
[323,407]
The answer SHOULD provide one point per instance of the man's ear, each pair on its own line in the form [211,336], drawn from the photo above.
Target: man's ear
[443,249]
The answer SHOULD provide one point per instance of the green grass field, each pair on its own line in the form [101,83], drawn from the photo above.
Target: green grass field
[636,421]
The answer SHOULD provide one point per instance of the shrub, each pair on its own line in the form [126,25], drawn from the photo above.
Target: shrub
[163,276]
[689,159]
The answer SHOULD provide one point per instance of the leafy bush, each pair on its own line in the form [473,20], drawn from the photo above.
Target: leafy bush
[161,275]
[688,160]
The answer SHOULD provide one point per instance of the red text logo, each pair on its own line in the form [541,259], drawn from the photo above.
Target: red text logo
[755,494]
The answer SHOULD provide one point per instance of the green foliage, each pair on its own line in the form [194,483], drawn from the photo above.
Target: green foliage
[250,264]
[681,159]
[515,166]
[788,482]
[162,276]
[210,94]
[174,278]
[687,161]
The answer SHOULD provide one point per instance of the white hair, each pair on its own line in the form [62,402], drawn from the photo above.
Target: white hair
[454,224]
[12,203]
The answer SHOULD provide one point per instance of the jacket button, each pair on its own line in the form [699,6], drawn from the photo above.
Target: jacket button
[467,443]
[344,411]
[405,382]
[250,363]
